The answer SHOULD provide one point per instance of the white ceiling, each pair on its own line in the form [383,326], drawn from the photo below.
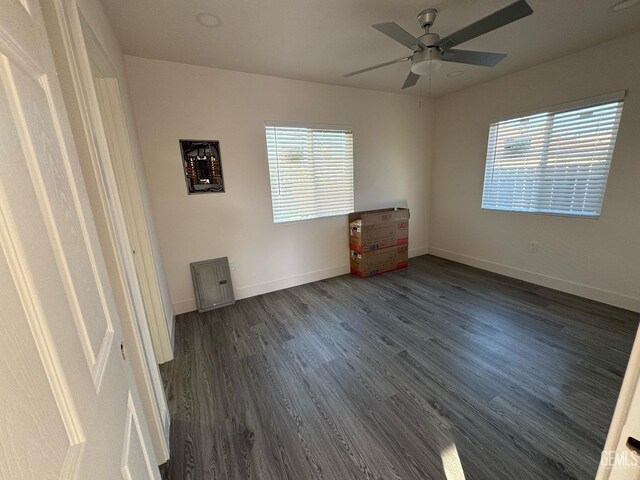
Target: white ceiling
[319,40]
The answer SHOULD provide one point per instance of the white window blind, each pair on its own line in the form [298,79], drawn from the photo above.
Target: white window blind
[311,170]
[554,161]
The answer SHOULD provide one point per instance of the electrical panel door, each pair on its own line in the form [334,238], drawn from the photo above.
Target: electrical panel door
[212,284]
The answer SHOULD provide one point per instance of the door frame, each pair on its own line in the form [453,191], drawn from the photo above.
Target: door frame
[76,35]
[109,97]
[620,428]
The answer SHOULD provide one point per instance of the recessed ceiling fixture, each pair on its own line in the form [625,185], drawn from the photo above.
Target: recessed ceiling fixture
[455,73]
[208,20]
[623,5]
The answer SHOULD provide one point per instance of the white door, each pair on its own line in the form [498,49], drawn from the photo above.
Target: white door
[68,407]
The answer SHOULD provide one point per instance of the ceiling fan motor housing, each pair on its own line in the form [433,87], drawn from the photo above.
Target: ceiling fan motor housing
[429,39]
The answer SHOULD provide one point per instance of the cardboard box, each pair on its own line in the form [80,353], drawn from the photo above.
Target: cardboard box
[376,229]
[367,264]
[379,241]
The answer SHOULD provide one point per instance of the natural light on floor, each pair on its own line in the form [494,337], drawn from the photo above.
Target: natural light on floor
[451,463]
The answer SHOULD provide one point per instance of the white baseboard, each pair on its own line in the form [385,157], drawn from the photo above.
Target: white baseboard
[416,252]
[587,291]
[185,306]
[272,286]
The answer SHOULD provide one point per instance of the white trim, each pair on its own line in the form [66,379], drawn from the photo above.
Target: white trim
[546,214]
[574,104]
[288,282]
[617,435]
[18,55]
[272,286]
[25,4]
[133,423]
[185,306]
[416,252]
[110,104]
[72,462]
[172,331]
[316,126]
[574,288]
[282,283]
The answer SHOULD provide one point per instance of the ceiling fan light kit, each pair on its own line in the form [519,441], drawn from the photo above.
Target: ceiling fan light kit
[425,61]
[430,51]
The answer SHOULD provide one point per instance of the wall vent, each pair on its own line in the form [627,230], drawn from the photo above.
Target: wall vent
[212,284]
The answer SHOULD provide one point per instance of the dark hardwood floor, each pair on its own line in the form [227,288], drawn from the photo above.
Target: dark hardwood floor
[416,374]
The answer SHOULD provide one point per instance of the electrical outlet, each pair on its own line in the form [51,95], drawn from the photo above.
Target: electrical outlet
[533,247]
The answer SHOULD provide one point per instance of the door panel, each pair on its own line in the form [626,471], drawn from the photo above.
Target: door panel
[135,456]
[50,174]
[33,298]
[28,408]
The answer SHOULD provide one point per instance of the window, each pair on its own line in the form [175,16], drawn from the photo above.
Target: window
[553,161]
[311,170]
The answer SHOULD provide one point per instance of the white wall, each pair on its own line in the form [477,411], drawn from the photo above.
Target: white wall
[392,145]
[600,258]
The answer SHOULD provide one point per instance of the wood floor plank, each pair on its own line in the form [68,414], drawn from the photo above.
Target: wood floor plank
[416,374]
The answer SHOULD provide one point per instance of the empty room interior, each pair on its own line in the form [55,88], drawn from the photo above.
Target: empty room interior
[333,240]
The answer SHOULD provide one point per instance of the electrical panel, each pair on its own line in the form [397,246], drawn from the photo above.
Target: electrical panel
[212,284]
[202,166]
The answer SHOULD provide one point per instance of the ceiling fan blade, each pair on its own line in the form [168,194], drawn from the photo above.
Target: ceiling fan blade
[403,59]
[486,59]
[498,19]
[399,34]
[411,80]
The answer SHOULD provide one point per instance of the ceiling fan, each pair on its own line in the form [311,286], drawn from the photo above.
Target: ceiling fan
[429,50]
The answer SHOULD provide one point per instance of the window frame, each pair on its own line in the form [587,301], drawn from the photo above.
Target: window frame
[612,97]
[309,126]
